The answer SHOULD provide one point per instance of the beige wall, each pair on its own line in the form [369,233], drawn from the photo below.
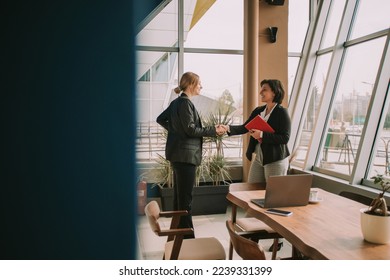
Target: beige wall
[272,57]
[263,59]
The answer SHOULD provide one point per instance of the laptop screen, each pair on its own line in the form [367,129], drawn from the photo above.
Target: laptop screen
[287,190]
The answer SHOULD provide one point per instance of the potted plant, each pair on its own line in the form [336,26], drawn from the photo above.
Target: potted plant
[163,174]
[209,195]
[217,170]
[222,115]
[208,198]
[215,166]
[212,178]
[375,221]
[164,181]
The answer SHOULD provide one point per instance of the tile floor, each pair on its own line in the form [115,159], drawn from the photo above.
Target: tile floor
[151,246]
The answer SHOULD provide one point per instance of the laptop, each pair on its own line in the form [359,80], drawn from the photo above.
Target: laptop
[285,191]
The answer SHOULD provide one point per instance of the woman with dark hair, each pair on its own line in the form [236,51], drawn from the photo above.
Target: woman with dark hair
[270,148]
[184,143]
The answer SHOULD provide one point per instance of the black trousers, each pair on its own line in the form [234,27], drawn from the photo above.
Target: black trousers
[184,181]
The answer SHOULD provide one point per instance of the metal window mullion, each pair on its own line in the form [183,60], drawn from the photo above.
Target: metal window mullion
[156,49]
[169,81]
[294,54]
[213,51]
[325,51]
[366,38]
[150,95]
[313,8]
[299,93]
[180,38]
[375,120]
[194,50]
[321,126]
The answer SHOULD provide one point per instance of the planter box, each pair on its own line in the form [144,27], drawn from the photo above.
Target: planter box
[206,199]
[166,195]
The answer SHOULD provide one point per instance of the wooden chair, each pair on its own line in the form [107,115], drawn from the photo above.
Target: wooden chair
[177,248]
[250,227]
[245,248]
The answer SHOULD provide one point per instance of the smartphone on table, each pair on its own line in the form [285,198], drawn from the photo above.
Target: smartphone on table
[278,212]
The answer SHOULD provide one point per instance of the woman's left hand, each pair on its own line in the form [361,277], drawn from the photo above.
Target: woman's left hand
[255,133]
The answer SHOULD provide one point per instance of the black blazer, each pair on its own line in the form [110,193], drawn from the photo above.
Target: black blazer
[274,145]
[185,131]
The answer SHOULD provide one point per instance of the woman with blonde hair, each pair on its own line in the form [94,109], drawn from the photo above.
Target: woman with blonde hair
[184,143]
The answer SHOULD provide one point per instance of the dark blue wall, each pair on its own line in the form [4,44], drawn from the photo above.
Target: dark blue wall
[67,188]
[144,8]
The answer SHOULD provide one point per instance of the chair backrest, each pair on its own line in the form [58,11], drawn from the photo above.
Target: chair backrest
[192,249]
[152,212]
[243,186]
[245,248]
[356,197]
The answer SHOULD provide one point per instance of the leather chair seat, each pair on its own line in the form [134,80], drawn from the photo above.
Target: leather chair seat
[206,248]
[252,224]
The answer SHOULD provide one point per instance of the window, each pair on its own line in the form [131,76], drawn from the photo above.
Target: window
[350,103]
[332,24]
[342,120]
[161,31]
[298,21]
[223,21]
[214,33]
[381,161]
[371,17]
[315,95]
[211,44]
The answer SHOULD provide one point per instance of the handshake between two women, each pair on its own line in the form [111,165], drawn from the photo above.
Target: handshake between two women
[221,129]
[224,128]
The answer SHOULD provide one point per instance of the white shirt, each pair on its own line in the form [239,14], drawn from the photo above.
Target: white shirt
[266,117]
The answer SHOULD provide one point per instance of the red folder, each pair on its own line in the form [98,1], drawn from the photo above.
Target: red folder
[259,123]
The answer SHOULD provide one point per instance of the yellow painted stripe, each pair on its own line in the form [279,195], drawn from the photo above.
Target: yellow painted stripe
[201,8]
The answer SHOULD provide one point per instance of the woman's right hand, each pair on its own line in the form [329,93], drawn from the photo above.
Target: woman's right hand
[255,133]
[221,129]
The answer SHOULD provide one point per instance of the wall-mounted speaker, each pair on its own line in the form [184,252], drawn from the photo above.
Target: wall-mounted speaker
[272,33]
[275,2]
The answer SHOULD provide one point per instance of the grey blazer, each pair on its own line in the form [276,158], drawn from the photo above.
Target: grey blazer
[185,131]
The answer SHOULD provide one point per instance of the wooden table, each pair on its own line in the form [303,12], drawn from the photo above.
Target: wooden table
[326,230]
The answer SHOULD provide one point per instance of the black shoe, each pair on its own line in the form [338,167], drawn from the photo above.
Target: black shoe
[280,245]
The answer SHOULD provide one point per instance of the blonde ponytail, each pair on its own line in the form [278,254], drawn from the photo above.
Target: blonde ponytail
[188,79]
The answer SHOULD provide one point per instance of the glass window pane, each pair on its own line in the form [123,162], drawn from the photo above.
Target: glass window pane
[350,106]
[155,80]
[292,71]
[332,24]
[371,16]
[316,91]
[220,74]
[298,21]
[381,162]
[162,30]
[155,66]
[143,115]
[157,94]
[220,26]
